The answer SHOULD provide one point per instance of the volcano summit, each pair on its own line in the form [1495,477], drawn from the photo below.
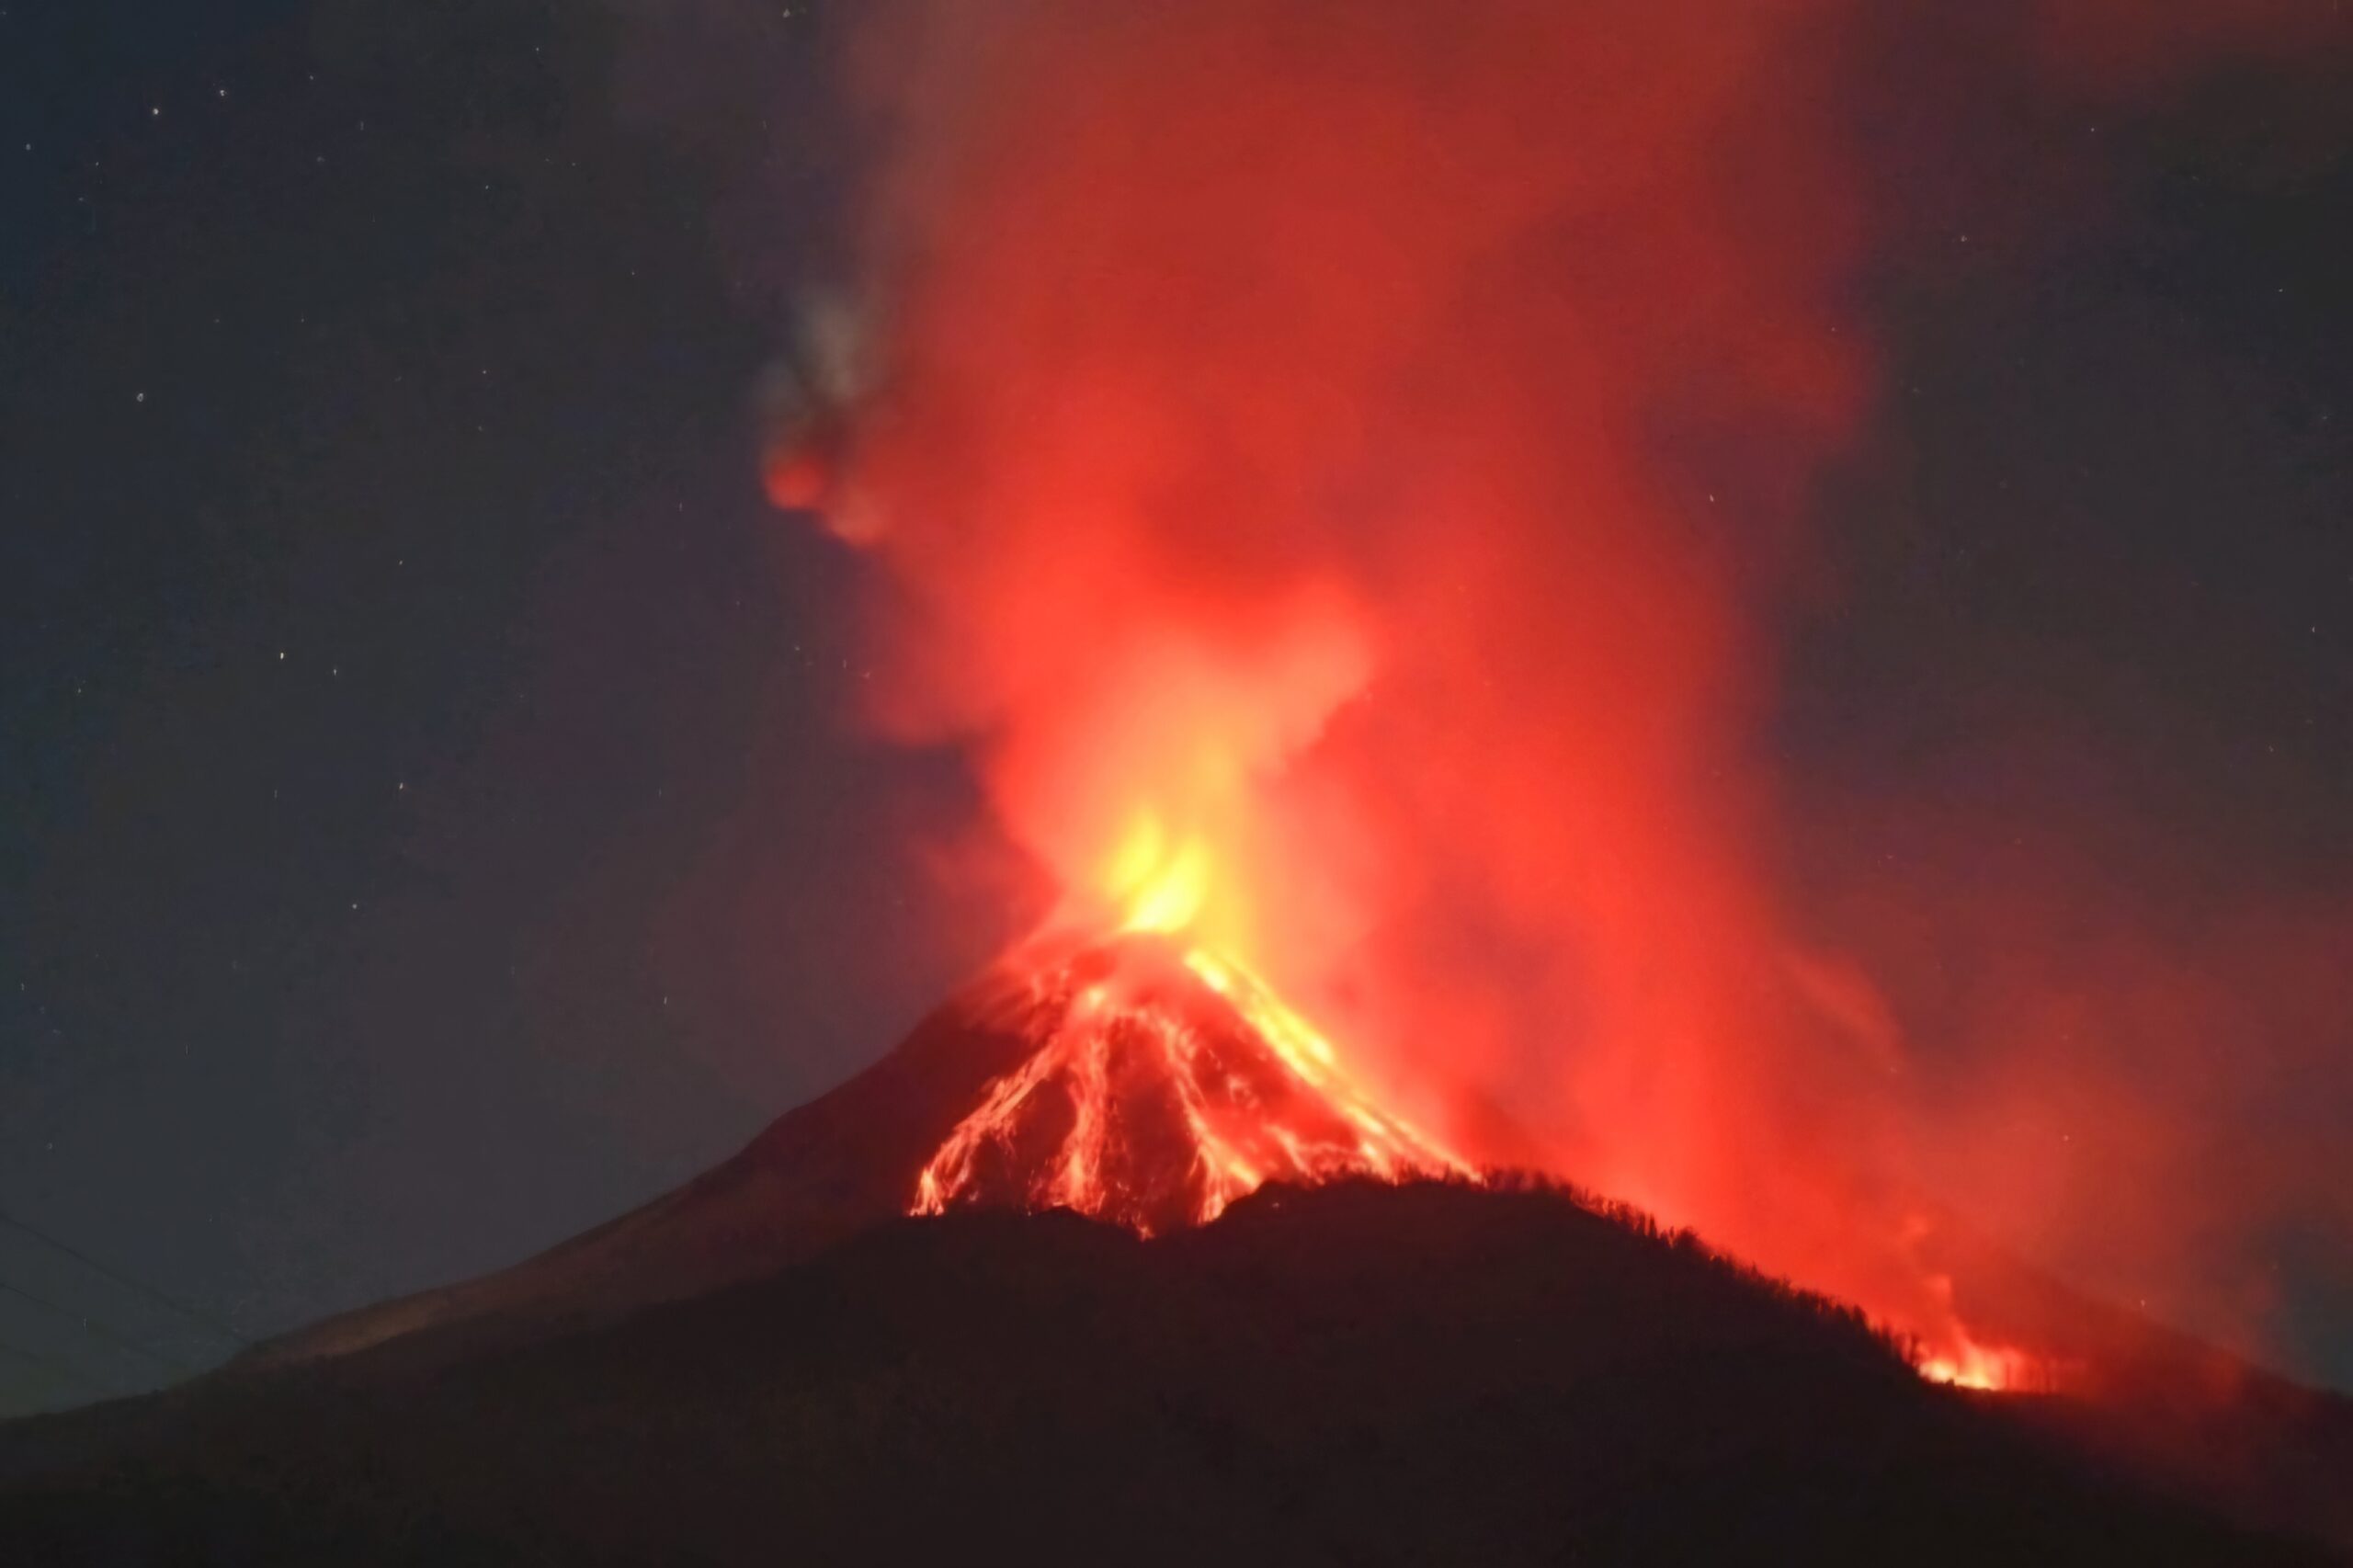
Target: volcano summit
[1165,1083]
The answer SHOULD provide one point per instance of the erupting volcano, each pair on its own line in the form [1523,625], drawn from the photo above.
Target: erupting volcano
[1256,1186]
[1166,1082]
[1165,1079]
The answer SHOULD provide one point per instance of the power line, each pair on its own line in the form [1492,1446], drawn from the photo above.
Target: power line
[72,1373]
[150,1291]
[98,1331]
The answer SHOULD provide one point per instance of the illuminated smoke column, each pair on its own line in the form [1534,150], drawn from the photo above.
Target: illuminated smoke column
[1357,454]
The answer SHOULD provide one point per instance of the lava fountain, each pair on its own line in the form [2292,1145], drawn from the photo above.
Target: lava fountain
[1167,1080]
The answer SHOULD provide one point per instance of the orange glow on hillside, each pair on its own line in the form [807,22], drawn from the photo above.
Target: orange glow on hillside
[1988,1368]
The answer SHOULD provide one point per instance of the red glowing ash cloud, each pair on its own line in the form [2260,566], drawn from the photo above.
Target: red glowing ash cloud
[1288,464]
[1335,467]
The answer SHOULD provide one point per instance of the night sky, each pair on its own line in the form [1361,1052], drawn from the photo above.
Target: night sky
[428,819]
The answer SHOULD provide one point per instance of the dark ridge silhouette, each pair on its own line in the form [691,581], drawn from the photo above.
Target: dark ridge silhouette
[773,1361]
[1355,1373]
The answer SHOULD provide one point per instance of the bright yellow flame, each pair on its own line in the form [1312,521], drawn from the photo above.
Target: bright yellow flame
[1974,1366]
[1159,886]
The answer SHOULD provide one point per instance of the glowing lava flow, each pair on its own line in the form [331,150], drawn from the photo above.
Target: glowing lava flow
[1162,1079]
[1167,1081]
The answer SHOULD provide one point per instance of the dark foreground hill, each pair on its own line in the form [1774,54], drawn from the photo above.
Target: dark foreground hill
[1353,1374]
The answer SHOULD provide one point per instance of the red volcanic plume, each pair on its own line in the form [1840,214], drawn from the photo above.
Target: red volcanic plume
[1333,465]
[1329,456]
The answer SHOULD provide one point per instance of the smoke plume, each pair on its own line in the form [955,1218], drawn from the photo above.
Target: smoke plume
[1369,446]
